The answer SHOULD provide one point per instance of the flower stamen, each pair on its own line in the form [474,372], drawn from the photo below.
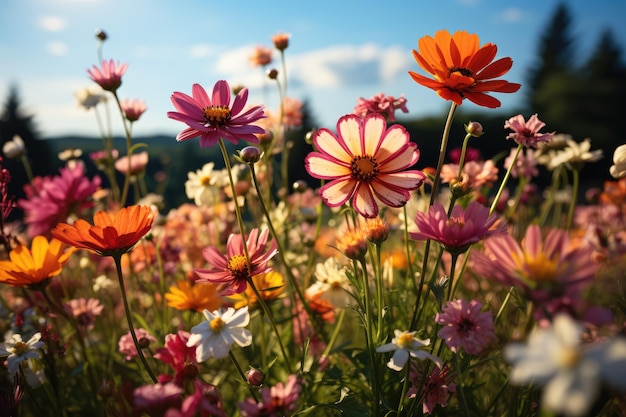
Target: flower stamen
[238,267]
[217,115]
[217,324]
[364,168]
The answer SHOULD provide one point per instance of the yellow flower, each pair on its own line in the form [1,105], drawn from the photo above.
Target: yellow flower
[31,267]
[187,296]
[270,285]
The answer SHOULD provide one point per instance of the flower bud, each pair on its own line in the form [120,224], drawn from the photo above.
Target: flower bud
[281,41]
[272,74]
[101,35]
[250,154]
[14,149]
[474,128]
[300,186]
[255,377]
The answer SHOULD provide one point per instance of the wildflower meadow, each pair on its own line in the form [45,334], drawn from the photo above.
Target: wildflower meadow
[389,288]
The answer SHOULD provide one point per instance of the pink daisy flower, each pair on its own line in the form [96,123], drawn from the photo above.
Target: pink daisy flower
[50,200]
[527,132]
[137,164]
[85,310]
[109,77]
[277,401]
[462,229]
[365,162]
[465,326]
[179,356]
[133,109]
[213,118]
[233,269]
[381,104]
[126,346]
[552,270]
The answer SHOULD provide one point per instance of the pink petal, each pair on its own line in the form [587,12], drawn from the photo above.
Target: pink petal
[327,143]
[221,94]
[349,130]
[200,96]
[364,202]
[323,167]
[337,192]
[374,126]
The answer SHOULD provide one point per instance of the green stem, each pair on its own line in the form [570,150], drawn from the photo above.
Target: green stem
[451,283]
[129,151]
[433,196]
[118,266]
[572,204]
[267,312]
[505,179]
[243,375]
[369,336]
[405,385]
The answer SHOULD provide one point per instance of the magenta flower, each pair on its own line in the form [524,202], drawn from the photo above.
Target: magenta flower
[213,118]
[109,77]
[462,229]
[205,400]
[126,346]
[527,133]
[50,200]
[154,398]
[179,356]
[381,104]
[233,269]
[552,270]
[436,389]
[137,165]
[465,326]
[277,401]
[365,162]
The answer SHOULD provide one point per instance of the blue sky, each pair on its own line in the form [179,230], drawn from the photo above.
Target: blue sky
[339,50]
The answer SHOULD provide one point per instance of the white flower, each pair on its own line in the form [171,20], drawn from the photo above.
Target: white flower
[214,337]
[571,373]
[89,97]
[575,154]
[618,169]
[405,343]
[14,149]
[18,350]
[332,283]
[202,186]
[102,282]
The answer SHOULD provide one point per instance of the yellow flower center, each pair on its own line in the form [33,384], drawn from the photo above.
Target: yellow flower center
[217,115]
[19,348]
[238,266]
[540,268]
[364,168]
[405,340]
[205,180]
[568,357]
[217,324]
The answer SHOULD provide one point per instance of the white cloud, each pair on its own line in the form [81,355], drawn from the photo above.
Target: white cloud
[52,23]
[512,14]
[201,51]
[57,48]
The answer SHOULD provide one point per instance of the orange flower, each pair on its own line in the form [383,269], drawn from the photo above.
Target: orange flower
[31,267]
[461,68]
[111,235]
[198,297]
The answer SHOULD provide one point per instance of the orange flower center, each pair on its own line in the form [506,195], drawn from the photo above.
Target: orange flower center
[540,268]
[364,168]
[405,340]
[568,357]
[217,115]
[238,267]
[217,324]
[19,348]
[455,221]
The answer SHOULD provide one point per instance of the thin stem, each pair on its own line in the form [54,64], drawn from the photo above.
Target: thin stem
[405,385]
[118,266]
[433,196]
[129,144]
[494,204]
[268,313]
[243,375]
[572,204]
[369,330]
[452,285]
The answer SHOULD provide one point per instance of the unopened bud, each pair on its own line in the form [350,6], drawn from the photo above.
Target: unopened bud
[250,154]
[255,377]
[474,128]
[300,186]
[281,41]
[101,35]
[272,74]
